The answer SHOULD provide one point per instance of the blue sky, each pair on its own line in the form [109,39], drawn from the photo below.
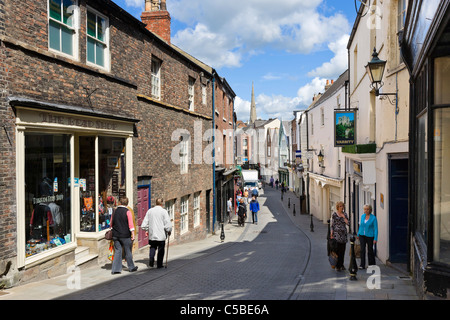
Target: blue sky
[287,48]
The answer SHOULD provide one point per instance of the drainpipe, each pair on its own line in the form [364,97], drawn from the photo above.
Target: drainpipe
[214,150]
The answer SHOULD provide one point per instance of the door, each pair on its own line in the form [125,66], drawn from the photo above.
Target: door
[208,211]
[398,210]
[143,204]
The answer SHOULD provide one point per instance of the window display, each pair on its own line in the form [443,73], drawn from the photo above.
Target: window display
[98,202]
[47,192]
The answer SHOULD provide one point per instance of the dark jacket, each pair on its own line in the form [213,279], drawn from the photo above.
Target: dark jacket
[242,211]
[120,225]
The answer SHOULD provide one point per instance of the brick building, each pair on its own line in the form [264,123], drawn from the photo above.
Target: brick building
[94,106]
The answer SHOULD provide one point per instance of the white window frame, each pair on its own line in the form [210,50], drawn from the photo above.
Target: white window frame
[204,97]
[197,209]
[156,78]
[191,92]
[184,215]
[107,53]
[170,207]
[74,28]
[184,154]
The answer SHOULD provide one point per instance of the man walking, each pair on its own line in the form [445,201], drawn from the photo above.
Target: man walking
[158,226]
[254,208]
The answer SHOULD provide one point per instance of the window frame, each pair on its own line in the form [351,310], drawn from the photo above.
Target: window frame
[107,51]
[184,214]
[197,198]
[74,28]
[191,93]
[157,63]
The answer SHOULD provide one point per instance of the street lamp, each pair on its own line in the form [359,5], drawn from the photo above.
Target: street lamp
[320,157]
[375,69]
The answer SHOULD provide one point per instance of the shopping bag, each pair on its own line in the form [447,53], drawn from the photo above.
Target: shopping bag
[111,251]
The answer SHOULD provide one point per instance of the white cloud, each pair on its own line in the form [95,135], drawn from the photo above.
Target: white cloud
[240,28]
[338,64]
[278,106]
[135,3]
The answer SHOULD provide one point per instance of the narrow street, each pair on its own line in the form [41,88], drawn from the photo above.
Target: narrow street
[279,258]
[266,263]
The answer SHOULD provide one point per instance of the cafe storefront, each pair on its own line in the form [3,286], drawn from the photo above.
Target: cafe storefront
[72,166]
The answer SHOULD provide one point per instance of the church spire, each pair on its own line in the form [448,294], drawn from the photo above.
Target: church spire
[253,107]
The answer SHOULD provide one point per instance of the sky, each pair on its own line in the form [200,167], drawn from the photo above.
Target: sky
[287,49]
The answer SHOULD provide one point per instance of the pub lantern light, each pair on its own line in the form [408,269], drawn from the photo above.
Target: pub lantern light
[375,69]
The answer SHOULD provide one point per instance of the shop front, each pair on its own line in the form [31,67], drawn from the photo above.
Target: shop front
[72,167]
[427,54]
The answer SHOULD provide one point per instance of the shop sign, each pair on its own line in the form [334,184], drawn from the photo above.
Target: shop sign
[76,121]
[344,128]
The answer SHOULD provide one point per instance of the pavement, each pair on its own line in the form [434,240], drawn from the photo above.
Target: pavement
[319,281]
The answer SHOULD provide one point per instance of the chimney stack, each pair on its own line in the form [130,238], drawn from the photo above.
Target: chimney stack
[157,18]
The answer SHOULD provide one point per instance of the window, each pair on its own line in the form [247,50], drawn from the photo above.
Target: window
[97,39]
[191,93]
[184,154]
[401,15]
[312,124]
[322,116]
[170,207]
[422,176]
[156,78]
[184,215]
[204,101]
[62,29]
[47,192]
[441,136]
[197,209]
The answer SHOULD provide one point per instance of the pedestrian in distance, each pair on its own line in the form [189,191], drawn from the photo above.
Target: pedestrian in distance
[276,183]
[242,212]
[271,181]
[254,208]
[255,192]
[339,232]
[368,236]
[157,226]
[230,209]
[123,237]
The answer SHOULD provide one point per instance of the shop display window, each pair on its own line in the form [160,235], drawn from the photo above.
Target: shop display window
[47,192]
[100,191]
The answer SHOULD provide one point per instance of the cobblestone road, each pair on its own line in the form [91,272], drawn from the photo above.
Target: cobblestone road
[266,262]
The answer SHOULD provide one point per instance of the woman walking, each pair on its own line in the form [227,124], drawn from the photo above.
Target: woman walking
[368,236]
[339,232]
[123,236]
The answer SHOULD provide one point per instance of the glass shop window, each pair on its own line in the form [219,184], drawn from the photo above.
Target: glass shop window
[441,138]
[100,191]
[47,192]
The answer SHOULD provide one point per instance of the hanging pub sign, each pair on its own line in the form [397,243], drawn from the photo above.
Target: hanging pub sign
[344,128]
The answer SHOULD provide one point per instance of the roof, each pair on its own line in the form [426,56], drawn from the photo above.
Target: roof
[337,85]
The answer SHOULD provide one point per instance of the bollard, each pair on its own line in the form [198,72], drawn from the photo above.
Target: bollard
[222,234]
[353,267]
[294,210]
[289,202]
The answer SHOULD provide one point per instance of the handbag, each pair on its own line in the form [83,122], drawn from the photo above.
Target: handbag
[332,258]
[108,235]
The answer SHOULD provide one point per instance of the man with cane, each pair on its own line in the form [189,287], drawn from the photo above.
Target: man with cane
[158,227]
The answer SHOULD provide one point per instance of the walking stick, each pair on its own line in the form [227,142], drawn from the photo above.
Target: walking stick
[167,253]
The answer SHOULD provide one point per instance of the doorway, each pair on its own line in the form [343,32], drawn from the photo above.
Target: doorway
[398,210]
[143,204]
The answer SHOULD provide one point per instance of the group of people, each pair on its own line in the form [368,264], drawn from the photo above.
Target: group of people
[157,226]
[367,235]
[243,198]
